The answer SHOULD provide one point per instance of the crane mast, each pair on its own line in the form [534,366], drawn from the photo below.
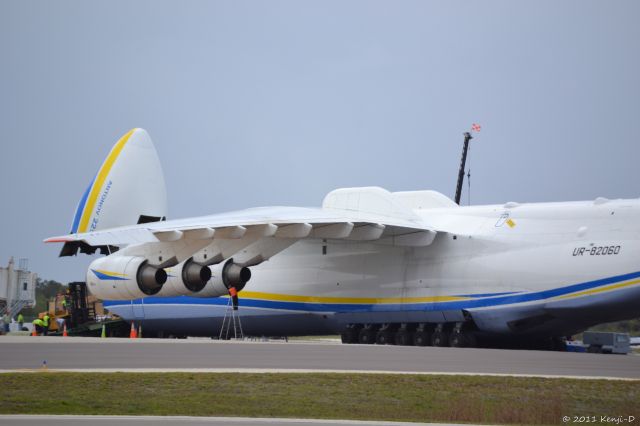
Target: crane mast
[465,148]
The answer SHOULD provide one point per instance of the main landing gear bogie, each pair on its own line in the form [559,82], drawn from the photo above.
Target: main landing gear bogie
[459,335]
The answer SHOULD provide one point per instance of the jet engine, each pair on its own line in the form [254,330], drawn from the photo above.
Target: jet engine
[185,278]
[119,277]
[223,277]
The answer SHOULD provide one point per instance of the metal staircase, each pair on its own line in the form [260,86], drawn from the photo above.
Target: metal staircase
[15,307]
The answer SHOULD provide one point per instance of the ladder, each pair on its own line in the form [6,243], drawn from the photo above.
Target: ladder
[231,318]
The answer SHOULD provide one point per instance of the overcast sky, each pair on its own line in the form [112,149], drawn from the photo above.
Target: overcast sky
[255,103]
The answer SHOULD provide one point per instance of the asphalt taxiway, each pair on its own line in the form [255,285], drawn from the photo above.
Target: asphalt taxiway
[26,353]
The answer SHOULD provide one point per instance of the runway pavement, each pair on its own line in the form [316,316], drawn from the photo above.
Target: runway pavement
[19,353]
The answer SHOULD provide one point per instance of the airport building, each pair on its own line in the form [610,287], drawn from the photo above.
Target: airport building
[17,287]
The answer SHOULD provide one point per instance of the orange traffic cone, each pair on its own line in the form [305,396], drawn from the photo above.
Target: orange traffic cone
[33,332]
[64,331]
[133,334]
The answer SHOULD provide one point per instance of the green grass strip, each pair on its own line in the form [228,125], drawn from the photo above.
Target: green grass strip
[478,399]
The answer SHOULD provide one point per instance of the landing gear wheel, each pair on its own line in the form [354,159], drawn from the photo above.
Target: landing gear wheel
[458,340]
[463,339]
[439,338]
[349,335]
[403,338]
[367,336]
[421,338]
[384,337]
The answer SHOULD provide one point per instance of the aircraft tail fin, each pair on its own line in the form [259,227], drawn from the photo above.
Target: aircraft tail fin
[129,188]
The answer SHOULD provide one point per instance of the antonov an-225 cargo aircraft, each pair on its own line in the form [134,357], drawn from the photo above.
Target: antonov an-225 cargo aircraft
[377,266]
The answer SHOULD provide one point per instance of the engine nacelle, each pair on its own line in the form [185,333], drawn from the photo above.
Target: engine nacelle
[118,277]
[185,278]
[223,277]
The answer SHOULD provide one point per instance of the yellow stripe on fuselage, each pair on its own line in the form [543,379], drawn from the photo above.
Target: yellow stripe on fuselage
[99,182]
[600,289]
[402,300]
[349,300]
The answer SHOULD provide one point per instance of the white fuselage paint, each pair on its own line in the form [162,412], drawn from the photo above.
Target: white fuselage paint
[474,257]
[521,249]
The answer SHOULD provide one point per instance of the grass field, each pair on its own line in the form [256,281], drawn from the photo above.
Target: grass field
[502,400]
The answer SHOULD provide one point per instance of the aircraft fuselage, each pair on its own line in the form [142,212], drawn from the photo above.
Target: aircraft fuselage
[546,269]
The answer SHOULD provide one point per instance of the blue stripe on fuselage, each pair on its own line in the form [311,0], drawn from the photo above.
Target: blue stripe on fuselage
[481,302]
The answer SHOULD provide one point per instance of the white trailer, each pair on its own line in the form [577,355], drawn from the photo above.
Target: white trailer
[607,343]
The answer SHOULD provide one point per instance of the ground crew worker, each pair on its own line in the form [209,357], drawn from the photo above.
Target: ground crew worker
[45,323]
[234,297]
[64,303]
[38,324]
[67,299]
[20,320]
[7,320]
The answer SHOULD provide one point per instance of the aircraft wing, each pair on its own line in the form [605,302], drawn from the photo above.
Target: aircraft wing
[259,233]
[278,222]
